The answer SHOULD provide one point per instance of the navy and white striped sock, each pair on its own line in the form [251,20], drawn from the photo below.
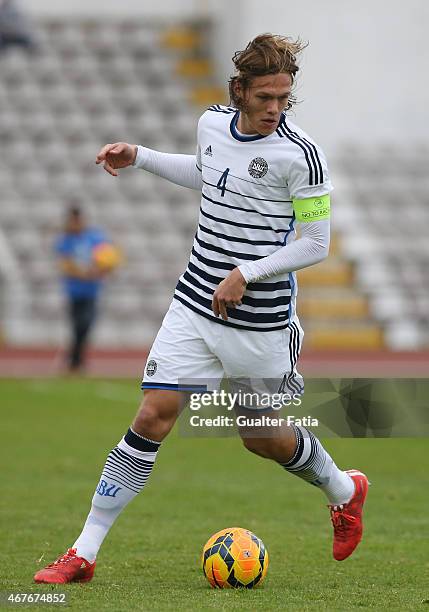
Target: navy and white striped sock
[314,465]
[124,475]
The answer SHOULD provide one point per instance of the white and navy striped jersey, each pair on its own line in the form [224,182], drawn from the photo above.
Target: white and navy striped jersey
[246,213]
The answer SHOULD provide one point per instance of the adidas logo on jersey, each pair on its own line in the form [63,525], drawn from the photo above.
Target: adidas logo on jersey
[209,151]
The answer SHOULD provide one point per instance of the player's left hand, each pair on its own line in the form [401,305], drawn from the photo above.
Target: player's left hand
[228,293]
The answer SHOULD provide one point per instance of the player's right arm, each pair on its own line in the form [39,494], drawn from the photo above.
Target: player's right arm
[116,155]
[180,169]
[175,167]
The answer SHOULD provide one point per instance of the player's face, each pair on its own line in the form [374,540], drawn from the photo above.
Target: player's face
[265,99]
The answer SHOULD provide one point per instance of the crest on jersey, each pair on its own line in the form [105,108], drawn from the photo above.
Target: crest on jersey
[258,167]
[151,367]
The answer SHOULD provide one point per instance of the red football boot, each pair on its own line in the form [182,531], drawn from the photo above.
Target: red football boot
[68,568]
[347,518]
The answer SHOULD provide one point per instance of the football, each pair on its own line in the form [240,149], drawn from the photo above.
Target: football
[234,558]
[106,256]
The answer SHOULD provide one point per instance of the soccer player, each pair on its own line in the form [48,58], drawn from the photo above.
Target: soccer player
[234,310]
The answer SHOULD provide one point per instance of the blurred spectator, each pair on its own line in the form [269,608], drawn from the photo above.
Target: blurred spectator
[83,277]
[15,28]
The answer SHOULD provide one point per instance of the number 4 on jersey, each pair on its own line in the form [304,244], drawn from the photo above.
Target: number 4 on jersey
[222,182]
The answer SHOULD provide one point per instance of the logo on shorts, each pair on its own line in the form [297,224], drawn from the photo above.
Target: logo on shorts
[151,367]
[258,167]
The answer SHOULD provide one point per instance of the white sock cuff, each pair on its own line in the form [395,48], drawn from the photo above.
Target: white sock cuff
[134,452]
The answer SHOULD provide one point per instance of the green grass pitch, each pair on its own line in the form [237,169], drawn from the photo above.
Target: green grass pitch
[55,437]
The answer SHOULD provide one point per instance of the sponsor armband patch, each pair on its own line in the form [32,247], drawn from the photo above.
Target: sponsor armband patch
[312,209]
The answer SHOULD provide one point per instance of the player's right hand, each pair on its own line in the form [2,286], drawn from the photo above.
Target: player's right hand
[116,155]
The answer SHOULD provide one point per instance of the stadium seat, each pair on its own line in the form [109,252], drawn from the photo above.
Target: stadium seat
[380,216]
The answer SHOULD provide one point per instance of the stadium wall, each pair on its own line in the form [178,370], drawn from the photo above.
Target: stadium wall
[361,74]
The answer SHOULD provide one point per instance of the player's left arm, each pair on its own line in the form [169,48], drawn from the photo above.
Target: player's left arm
[309,186]
[311,248]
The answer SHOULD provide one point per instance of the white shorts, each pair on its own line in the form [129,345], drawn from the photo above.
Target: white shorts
[193,354]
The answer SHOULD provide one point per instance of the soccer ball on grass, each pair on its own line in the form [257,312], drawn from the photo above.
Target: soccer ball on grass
[234,558]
